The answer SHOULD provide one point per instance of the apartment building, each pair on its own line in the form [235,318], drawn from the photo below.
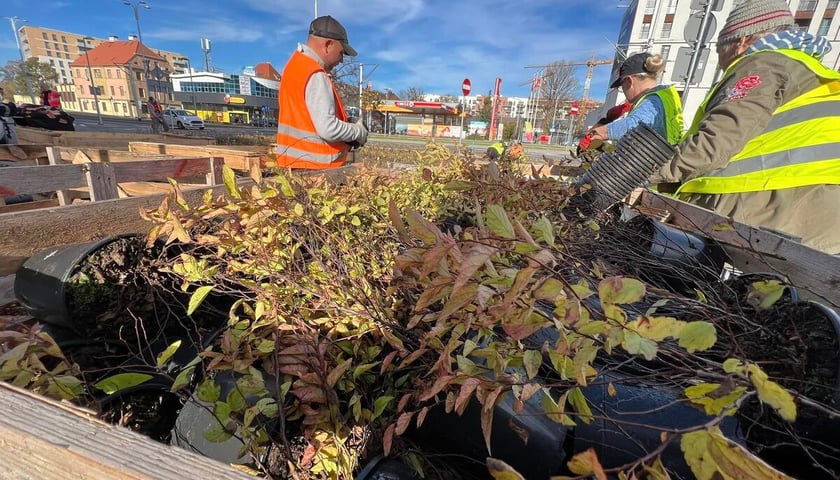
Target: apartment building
[113,77]
[672,27]
[60,49]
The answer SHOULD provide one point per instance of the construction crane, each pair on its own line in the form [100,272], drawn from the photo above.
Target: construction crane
[590,64]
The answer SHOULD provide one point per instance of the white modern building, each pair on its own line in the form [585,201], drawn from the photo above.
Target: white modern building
[671,28]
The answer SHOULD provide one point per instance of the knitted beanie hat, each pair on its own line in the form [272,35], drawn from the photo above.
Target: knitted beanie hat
[754,16]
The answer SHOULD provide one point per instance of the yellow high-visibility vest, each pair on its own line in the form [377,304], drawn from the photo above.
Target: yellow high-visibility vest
[799,147]
[673,112]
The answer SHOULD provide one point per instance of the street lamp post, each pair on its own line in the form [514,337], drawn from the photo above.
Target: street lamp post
[93,88]
[26,79]
[135,6]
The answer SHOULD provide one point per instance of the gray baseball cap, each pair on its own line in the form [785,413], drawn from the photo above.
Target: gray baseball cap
[328,27]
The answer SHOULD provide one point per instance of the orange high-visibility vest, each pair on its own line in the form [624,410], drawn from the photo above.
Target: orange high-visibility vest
[298,143]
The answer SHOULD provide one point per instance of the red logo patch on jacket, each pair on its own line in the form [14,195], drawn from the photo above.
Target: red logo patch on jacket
[743,86]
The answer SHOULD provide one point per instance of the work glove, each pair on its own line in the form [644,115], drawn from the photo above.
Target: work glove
[618,111]
[362,140]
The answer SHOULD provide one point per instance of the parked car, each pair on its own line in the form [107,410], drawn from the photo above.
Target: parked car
[264,122]
[182,119]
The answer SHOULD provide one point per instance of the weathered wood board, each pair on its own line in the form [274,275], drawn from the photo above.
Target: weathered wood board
[29,135]
[235,159]
[812,272]
[41,439]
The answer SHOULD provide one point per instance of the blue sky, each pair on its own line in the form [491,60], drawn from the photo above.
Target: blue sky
[429,44]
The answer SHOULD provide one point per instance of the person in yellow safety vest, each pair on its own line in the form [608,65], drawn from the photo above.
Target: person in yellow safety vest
[764,147]
[496,150]
[312,128]
[657,106]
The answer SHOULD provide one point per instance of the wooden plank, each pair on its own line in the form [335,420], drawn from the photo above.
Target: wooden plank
[24,206]
[40,179]
[54,156]
[235,159]
[28,135]
[41,439]
[214,176]
[161,169]
[812,272]
[101,181]
[18,153]
[104,155]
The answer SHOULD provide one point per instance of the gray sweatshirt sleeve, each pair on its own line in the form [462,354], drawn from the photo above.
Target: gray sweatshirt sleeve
[321,105]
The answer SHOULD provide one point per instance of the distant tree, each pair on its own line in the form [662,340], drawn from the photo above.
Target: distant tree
[486,110]
[39,74]
[346,79]
[449,98]
[558,84]
[412,94]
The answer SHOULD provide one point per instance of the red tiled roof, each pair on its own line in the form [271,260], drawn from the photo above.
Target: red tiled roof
[116,53]
[267,71]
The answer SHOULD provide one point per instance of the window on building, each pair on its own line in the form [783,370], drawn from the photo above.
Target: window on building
[119,74]
[52,62]
[807,5]
[666,29]
[47,45]
[645,30]
[61,63]
[112,90]
[54,37]
[666,50]
[108,71]
[104,106]
[802,24]
[64,39]
[44,34]
[824,24]
[650,7]
[56,46]
[138,75]
[122,89]
[64,73]
[65,48]
[97,73]
[672,7]
[142,92]
[832,4]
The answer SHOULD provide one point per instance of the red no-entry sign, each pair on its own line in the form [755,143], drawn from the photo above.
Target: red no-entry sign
[466,86]
[574,110]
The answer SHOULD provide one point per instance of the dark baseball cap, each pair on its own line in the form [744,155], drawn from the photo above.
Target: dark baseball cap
[328,27]
[631,66]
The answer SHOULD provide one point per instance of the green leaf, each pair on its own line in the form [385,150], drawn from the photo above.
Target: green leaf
[229,177]
[217,434]
[532,360]
[772,393]
[580,404]
[763,294]
[636,345]
[197,297]
[714,398]
[586,463]
[235,400]
[698,336]
[183,379]
[499,223]
[551,289]
[285,187]
[620,290]
[543,230]
[208,391]
[361,369]
[121,381]
[379,406]
[733,365]
[167,354]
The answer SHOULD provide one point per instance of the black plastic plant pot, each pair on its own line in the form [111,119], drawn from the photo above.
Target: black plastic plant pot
[41,284]
[637,155]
